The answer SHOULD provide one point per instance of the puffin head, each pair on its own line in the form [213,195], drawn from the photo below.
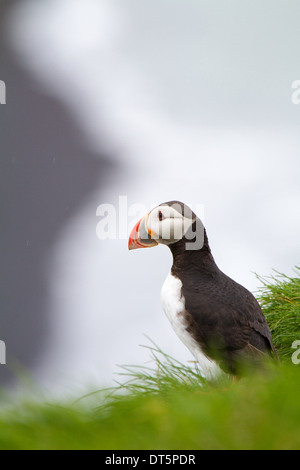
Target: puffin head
[166,224]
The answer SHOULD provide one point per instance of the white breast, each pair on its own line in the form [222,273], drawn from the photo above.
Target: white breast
[174,306]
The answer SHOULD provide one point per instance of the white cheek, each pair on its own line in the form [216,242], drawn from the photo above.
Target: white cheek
[180,227]
[177,229]
[153,225]
[170,229]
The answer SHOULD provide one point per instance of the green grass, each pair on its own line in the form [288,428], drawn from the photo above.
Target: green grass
[168,405]
[280,300]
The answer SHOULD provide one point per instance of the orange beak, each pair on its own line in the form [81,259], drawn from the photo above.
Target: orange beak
[140,236]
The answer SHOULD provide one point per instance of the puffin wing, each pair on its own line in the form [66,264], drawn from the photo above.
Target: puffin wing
[226,320]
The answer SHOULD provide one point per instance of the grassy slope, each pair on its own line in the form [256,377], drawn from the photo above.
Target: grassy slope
[171,407]
[280,301]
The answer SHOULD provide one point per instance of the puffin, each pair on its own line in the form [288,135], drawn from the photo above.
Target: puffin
[217,319]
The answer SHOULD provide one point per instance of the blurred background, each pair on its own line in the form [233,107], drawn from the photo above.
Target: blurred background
[152,101]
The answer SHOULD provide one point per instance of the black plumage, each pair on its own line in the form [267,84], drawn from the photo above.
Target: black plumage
[222,316]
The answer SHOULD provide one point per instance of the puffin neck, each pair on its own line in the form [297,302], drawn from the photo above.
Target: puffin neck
[185,260]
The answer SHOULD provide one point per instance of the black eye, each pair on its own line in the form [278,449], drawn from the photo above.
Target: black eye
[160,215]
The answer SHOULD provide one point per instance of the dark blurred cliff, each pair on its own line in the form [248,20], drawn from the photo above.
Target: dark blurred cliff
[46,171]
